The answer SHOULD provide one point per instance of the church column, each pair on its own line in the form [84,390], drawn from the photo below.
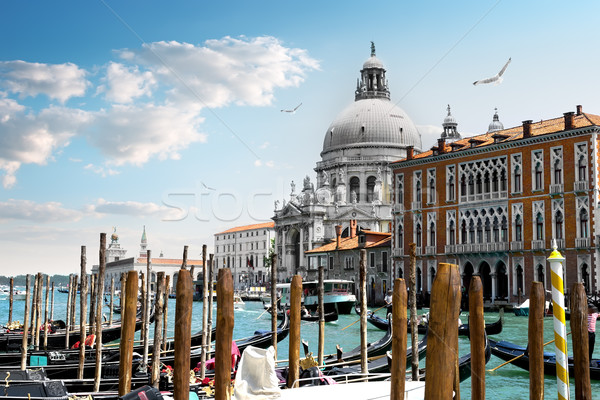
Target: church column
[494,283]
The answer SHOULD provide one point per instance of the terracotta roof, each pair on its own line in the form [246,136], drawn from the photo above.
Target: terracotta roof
[516,133]
[374,239]
[249,227]
[174,261]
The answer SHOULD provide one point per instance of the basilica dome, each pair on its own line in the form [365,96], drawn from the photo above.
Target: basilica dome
[371,122]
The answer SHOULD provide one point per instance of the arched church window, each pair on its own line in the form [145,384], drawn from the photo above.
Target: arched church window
[355,187]
[371,188]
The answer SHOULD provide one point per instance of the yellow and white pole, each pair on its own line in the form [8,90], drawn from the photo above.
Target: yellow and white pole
[560,329]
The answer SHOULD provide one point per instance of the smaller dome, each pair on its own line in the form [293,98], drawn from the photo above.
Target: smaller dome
[450,118]
[114,237]
[373,62]
[495,125]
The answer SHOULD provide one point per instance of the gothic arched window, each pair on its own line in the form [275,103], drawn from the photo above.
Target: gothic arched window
[558,225]
[583,223]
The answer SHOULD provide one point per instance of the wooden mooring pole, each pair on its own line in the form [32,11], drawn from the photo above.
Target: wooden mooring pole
[536,341]
[10,299]
[205,333]
[414,330]
[477,337]
[52,302]
[274,301]
[363,311]
[128,313]
[99,304]
[183,335]
[74,302]
[112,300]
[294,335]
[442,341]
[210,300]
[225,324]
[38,306]
[399,339]
[46,320]
[24,343]
[158,325]
[146,325]
[68,319]
[82,312]
[166,312]
[580,340]
[34,310]
[92,312]
[321,316]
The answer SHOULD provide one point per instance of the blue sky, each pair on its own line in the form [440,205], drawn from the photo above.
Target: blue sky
[168,114]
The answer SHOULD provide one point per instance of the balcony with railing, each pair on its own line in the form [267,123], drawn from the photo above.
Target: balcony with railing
[557,188]
[450,248]
[538,245]
[418,250]
[516,246]
[397,252]
[474,198]
[582,243]
[398,208]
[581,186]
[430,250]
[431,198]
[560,243]
[416,205]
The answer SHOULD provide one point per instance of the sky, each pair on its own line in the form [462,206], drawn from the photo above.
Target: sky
[168,115]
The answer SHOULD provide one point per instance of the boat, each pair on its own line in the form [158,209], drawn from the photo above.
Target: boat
[329,317]
[338,295]
[508,351]
[493,328]
[238,303]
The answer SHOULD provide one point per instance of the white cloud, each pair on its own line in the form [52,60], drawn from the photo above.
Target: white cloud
[104,172]
[133,134]
[13,209]
[270,164]
[124,84]
[134,208]
[57,81]
[27,138]
[264,145]
[257,163]
[223,71]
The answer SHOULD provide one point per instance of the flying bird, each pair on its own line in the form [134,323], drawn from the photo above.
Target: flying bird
[496,79]
[292,111]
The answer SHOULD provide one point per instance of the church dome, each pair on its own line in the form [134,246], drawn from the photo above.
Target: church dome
[372,122]
[373,62]
[495,125]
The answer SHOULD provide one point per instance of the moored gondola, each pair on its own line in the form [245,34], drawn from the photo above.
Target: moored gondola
[329,317]
[508,351]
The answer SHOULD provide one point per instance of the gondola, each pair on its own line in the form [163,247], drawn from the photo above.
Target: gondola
[508,351]
[329,317]
[373,349]
[14,358]
[493,328]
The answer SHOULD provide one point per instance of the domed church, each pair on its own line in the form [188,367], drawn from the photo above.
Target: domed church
[353,185]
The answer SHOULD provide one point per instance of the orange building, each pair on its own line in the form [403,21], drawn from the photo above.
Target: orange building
[493,203]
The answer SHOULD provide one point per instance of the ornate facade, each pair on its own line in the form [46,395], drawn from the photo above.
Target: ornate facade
[353,178]
[493,203]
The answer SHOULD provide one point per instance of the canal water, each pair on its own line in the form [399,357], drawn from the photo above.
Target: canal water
[508,382]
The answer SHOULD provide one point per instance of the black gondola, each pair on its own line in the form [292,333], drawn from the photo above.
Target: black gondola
[329,317]
[508,351]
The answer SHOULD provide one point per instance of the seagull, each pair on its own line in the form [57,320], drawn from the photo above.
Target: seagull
[292,111]
[496,79]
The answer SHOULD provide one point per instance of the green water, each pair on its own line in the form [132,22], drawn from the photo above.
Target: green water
[508,382]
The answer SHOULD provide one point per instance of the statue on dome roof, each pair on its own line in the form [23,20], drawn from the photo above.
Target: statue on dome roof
[372,49]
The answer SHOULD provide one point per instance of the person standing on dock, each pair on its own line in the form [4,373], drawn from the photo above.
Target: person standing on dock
[592,317]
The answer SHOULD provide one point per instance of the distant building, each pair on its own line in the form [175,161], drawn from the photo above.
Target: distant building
[243,249]
[493,203]
[116,263]
[353,178]
[341,258]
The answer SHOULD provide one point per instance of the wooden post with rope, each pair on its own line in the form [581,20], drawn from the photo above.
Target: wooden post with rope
[166,312]
[294,335]
[321,315]
[274,300]
[477,337]
[205,333]
[128,312]
[158,322]
[112,300]
[414,330]
[210,301]
[46,320]
[363,311]
[536,341]
[399,334]
[183,335]
[225,325]
[82,312]
[442,342]
[24,342]
[581,356]
[68,319]
[99,304]
[10,300]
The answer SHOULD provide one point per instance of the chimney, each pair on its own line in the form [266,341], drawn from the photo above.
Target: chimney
[569,117]
[441,145]
[410,152]
[338,235]
[527,129]
[579,109]
[353,225]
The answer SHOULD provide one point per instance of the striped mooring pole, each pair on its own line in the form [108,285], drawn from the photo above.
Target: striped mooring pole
[560,329]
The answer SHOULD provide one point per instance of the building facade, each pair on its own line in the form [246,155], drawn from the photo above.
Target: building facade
[245,249]
[494,203]
[341,258]
[353,179]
